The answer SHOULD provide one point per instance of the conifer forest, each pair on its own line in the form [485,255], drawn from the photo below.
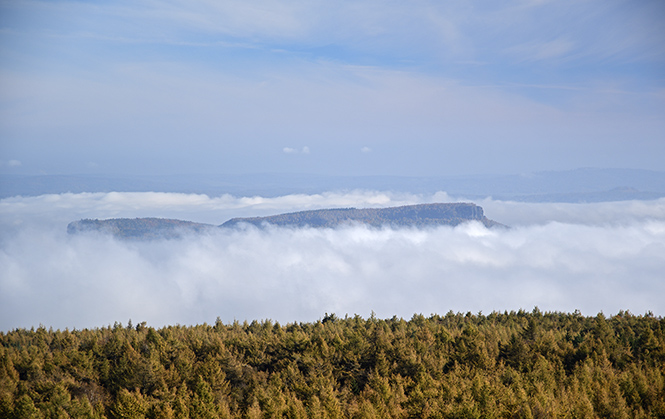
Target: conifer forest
[501,365]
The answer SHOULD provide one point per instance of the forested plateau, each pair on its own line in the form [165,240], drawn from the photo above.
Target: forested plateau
[502,365]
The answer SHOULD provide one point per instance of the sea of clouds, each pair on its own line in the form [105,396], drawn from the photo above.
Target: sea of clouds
[560,257]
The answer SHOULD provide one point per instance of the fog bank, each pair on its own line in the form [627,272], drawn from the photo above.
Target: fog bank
[594,257]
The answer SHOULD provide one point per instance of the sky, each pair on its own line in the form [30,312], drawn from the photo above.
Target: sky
[360,87]
[594,257]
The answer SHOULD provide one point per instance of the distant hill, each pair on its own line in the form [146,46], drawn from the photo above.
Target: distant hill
[138,228]
[423,215]
[612,195]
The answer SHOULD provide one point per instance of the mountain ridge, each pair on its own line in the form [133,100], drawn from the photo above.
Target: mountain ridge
[418,215]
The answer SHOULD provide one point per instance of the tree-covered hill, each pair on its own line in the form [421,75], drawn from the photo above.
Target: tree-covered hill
[501,365]
[138,228]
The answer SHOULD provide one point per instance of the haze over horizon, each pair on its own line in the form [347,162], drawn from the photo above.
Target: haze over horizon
[353,88]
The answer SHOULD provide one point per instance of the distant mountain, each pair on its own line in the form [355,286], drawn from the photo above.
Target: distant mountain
[616,194]
[138,228]
[580,185]
[423,215]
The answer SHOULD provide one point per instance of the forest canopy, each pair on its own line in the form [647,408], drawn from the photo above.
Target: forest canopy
[512,364]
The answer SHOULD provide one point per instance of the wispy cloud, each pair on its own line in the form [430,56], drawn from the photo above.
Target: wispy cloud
[290,150]
[233,78]
[546,50]
[391,30]
[10,163]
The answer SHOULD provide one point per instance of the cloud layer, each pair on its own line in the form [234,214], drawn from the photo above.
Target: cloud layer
[50,278]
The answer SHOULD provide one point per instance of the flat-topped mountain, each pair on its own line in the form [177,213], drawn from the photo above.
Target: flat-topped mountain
[422,215]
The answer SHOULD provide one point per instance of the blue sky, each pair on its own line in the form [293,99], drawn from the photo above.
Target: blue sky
[346,88]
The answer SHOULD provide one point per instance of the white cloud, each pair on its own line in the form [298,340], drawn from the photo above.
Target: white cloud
[287,275]
[365,150]
[602,213]
[299,274]
[291,150]
[325,104]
